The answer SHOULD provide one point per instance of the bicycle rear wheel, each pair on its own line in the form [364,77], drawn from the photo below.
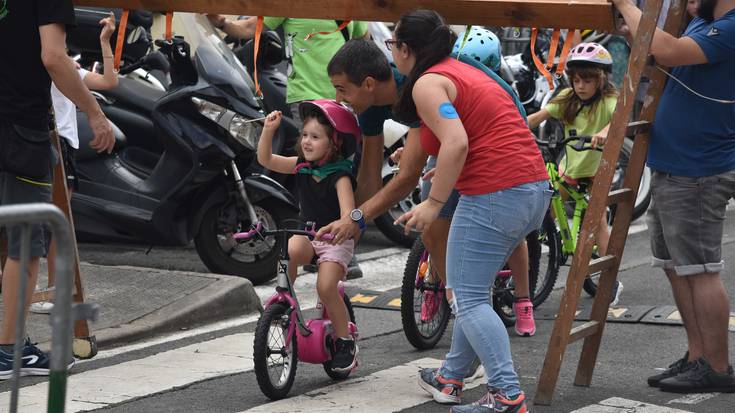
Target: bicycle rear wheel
[425,330]
[548,242]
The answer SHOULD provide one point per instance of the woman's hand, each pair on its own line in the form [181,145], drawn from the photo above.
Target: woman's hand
[429,175]
[108,27]
[421,216]
[272,121]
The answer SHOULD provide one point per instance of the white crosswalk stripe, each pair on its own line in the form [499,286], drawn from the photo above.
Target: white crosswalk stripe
[621,405]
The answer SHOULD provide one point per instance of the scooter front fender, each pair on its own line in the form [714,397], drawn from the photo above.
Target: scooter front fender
[261,187]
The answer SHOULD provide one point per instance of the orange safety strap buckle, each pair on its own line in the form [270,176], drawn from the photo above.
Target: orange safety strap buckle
[256,46]
[120,39]
[341,26]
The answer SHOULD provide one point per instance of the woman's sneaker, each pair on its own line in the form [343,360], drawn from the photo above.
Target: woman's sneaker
[345,355]
[42,307]
[494,401]
[525,325]
[674,368]
[444,391]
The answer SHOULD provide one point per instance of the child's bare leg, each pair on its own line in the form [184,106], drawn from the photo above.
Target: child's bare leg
[435,240]
[602,236]
[330,273]
[518,264]
[300,252]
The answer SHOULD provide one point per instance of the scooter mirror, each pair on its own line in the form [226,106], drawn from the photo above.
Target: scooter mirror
[135,35]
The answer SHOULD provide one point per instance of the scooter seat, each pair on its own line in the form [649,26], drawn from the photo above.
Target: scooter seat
[86,135]
[133,93]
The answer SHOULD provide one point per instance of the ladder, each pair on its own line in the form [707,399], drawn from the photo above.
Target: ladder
[563,334]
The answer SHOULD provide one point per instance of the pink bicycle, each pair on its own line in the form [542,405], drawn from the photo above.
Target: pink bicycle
[282,336]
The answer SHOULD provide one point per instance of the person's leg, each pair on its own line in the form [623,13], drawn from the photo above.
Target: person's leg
[518,264]
[684,299]
[330,273]
[300,252]
[435,241]
[712,317]
[11,285]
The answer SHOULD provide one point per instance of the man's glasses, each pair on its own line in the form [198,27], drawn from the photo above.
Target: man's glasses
[389,43]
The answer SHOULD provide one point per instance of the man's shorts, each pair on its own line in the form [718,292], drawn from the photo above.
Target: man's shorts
[448,208]
[686,219]
[16,189]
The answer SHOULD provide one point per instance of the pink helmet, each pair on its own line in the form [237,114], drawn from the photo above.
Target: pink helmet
[347,133]
[590,54]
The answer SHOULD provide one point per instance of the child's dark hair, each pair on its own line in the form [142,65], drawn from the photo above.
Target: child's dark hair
[431,41]
[358,59]
[571,104]
[322,120]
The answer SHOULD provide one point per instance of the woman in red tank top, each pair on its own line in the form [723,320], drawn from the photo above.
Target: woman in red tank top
[485,150]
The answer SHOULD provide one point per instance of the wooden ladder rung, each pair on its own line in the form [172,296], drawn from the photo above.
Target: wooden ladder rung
[43,295]
[601,264]
[638,127]
[619,196]
[584,330]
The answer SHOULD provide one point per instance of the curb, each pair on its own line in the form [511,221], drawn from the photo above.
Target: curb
[224,298]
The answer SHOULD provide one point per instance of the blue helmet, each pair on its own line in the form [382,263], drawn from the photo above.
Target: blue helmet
[481,45]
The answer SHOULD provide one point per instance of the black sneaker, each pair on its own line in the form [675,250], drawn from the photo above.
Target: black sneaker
[675,368]
[345,355]
[353,269]
[6,365]
[34,362]
[700,378]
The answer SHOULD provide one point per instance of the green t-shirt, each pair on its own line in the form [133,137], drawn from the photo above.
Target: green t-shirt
[583,164]
[308,59]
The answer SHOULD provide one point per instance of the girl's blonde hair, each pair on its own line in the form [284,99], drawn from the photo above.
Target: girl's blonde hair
[571,104]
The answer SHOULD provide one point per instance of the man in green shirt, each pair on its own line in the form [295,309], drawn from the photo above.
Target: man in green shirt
[308,59]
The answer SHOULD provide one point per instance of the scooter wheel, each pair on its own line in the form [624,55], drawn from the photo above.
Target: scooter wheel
[274,362]
[340,375]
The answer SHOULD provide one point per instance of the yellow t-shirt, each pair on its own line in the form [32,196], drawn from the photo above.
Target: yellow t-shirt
[583,164]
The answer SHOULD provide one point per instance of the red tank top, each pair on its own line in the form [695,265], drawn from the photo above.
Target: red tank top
[502,151]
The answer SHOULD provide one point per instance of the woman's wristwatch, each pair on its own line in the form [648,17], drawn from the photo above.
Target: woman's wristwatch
[357,216]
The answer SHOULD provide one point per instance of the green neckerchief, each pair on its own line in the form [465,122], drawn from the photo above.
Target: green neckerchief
[324,170]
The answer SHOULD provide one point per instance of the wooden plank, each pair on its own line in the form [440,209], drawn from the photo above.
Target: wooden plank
[633,173]
[620,196]
[582,14]
[601,264]
[43,295]
[638,127]
[584,330]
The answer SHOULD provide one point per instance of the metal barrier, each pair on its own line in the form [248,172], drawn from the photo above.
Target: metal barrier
[61,316]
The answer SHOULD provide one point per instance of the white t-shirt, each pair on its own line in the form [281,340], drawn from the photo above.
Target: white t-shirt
[66,114]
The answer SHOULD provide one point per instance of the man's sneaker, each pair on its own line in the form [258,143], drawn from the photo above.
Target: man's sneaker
[494,401]
[617,290]
[353,269]
[444,391]
[476,371]
[42,307]
[700,378]
[674,368]
[345,355]
[525,325]
[34,362]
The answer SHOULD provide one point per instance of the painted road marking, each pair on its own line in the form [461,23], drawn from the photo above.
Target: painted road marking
[621,405]
[399,382]
[95,389]
[694,398]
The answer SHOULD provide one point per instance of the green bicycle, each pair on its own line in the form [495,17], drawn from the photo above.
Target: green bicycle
[560,236]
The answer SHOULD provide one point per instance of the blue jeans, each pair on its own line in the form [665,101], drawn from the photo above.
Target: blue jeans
[485,230]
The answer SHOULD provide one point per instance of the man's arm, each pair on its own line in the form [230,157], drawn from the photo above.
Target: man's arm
[413,160]
[64,74]
[369,180]
[240,29]
[667,49]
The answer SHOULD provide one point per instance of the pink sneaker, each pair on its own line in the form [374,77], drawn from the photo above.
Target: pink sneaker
[525,326]
[430,305]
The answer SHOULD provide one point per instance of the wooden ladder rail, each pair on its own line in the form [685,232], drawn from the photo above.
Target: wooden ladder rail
[563,334]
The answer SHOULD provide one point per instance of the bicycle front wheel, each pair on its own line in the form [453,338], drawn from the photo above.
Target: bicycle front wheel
[424,309]
[274,361]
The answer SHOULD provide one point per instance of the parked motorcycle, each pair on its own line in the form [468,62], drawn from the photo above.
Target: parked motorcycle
[175,174]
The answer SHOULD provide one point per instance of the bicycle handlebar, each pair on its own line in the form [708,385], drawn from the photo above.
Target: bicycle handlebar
[579,146]
[309,232]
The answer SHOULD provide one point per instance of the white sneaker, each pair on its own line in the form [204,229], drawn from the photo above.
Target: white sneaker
[616,291]
[42,307]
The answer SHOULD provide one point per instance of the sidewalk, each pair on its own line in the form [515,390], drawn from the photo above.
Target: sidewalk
[136,302]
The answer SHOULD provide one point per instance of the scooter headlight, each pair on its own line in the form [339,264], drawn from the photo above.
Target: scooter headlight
[209,110]
[245,131]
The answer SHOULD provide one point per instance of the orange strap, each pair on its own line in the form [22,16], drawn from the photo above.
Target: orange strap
[565,51]
[169,24]
[341,26]
[256,46]
[120,39]
[552,48]
[537,62]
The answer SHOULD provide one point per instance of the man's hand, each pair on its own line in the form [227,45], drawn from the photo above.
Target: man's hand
[341,230]
[420,217]
[395,157]
[103,140]
[217,20]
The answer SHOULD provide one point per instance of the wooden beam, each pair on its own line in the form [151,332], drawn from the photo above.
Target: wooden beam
[582,14]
